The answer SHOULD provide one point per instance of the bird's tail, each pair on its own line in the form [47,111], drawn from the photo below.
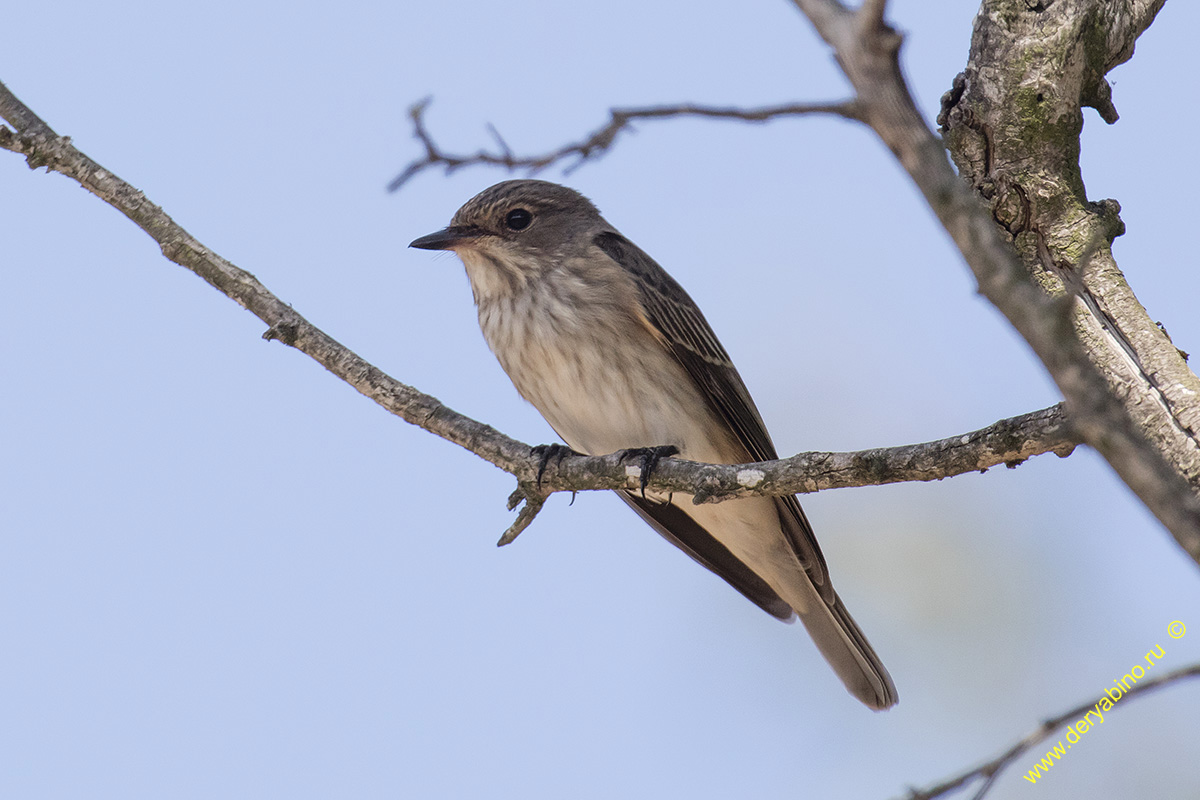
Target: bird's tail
[807,590]
[846,649]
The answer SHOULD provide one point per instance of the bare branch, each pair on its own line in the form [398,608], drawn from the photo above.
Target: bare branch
[43,147]
[990,770]
[598,141]
[1007,442]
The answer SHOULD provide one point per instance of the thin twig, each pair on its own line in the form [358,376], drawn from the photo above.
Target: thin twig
[598,141]
[989,770]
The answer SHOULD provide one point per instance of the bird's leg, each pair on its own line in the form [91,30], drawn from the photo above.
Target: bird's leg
[548,452]
[648,458]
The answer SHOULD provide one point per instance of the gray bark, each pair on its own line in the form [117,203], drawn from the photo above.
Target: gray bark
[1100,408]
[1012,124]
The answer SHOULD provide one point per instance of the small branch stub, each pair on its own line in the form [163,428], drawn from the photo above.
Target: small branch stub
[534,498]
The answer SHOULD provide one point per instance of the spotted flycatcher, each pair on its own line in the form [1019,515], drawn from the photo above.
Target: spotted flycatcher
[616,356]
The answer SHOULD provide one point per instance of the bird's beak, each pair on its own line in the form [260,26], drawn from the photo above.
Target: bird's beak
[448,238]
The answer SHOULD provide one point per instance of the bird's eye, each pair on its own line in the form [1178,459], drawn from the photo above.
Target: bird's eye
[518,219]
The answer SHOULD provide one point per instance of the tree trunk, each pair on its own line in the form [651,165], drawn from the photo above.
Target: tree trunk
[1012,125]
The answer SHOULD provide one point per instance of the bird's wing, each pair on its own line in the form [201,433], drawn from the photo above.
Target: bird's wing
[685,533]
[680,325]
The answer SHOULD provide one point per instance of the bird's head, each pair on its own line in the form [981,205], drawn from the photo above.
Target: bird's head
[517,231]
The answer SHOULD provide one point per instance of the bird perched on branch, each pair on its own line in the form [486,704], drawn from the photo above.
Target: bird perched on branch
[616,356]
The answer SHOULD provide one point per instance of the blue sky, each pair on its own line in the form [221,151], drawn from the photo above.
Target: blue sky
[226,574]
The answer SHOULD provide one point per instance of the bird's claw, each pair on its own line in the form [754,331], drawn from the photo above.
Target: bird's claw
[548,452]
[648,458]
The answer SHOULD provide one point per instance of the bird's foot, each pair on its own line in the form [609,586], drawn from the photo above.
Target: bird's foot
[547,453]
[648,458]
